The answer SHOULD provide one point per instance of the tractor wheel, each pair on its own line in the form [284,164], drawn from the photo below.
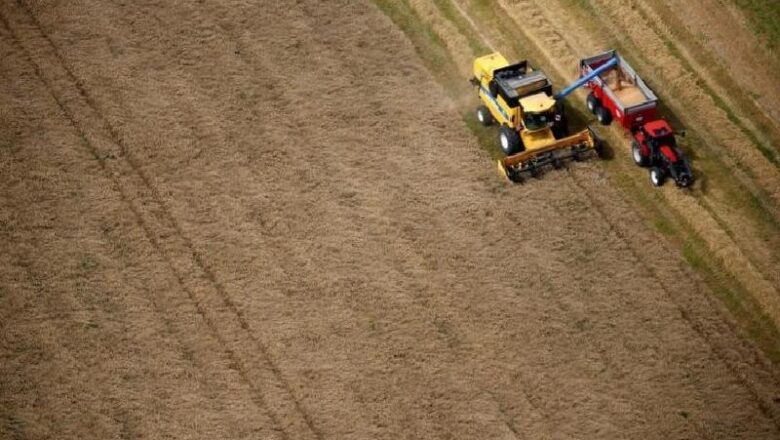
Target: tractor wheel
[593,103]
[657,176]
[509,141]
[636,153]
[603,115]
[483,116]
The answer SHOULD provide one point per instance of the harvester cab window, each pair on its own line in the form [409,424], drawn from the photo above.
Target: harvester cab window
[538,111]
[537,121]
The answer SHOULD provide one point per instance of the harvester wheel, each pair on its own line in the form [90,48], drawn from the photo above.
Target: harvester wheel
[603,115]
[636,153]
[657,176]
[513,175]
[561,128]
[593,103]
[509,141]
[483,116]
[601,150]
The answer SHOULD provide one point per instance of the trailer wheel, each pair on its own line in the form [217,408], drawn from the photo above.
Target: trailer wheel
[636,153]
[509,141]
[483,116]
[603,115]
[593,103]
[657,176]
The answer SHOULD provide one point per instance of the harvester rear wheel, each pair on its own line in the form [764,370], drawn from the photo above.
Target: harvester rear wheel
[483,116]
[509,141]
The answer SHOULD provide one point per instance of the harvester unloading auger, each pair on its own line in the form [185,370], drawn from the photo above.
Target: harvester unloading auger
[533,128]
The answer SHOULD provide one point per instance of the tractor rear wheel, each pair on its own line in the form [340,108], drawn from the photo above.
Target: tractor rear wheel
[657,176]
[593,103]
[636,153]
[483,116]
[603,115]
[509,140]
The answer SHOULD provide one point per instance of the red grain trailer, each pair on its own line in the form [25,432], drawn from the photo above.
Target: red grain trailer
[619,94]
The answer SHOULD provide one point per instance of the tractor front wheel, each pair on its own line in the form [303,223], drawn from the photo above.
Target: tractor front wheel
[483,116]
[509,141]
[657,176]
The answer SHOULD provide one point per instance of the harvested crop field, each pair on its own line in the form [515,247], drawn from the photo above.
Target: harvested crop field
[270,220]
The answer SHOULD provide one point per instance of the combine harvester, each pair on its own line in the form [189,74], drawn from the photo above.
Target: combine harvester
[533,129]
[619,93]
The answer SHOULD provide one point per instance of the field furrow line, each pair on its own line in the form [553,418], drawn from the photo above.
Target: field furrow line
[710,329]
[224,318]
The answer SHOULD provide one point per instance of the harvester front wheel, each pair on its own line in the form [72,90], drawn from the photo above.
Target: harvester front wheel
[483,116]
[509,141]
[593,103]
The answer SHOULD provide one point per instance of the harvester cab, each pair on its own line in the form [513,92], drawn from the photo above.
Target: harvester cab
[533,128]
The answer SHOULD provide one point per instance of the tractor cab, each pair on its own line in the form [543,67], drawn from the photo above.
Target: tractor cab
[658,132]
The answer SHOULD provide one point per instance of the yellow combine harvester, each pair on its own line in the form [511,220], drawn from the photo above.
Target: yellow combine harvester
[533,129]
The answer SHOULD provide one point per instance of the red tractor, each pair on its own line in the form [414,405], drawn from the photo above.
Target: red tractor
[619,94]
[654,146]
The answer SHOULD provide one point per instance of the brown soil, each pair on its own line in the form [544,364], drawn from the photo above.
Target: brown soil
[217,223]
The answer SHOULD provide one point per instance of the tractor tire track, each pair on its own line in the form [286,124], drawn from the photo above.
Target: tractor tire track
[272,391]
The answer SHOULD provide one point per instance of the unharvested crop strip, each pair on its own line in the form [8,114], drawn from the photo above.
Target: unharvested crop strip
[285,404]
